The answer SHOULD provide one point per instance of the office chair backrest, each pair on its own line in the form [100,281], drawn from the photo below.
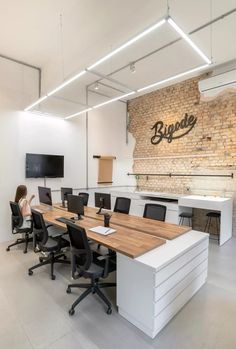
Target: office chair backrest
[122,205]
[16,215]
[80,246]
[155,211]
[39,227]
[85,197]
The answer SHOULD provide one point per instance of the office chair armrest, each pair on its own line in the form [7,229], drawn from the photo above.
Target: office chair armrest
[105,258]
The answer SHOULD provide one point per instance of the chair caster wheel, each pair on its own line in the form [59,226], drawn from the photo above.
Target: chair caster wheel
[109,311]
[7,249]
[40,259]
[71,312]
[68,290]
[53,277]
[25,252]
[30,272]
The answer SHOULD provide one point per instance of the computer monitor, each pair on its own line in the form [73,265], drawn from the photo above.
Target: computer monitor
[45,196]
[102,200]
[64,193]
[75,205]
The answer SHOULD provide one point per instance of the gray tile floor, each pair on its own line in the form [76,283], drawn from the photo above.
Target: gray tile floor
[34,310]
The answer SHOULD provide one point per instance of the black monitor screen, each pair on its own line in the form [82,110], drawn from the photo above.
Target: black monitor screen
[75,204]
[103,200]
[45,196]
[40,165]
[65,192]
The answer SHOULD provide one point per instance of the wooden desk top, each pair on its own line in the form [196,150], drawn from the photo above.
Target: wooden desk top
[148,226]
[126,241]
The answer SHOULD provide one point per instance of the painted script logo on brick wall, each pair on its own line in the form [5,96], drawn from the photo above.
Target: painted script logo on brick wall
[173,131]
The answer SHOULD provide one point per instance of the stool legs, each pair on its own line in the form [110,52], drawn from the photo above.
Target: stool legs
[208,226]
[181,221]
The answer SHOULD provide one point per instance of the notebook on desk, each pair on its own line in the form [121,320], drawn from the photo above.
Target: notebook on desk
[102,230]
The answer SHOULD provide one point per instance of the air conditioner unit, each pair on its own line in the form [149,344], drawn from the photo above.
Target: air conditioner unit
[214,85]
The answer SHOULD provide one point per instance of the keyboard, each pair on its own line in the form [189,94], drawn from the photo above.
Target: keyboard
[64,220]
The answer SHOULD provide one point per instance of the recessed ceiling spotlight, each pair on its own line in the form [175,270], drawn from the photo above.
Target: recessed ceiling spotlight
[132,68]
[96,86]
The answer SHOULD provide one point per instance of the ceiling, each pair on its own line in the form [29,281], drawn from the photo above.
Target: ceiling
[63,37]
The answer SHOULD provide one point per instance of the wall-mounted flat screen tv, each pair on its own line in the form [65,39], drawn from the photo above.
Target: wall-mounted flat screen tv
[42,165]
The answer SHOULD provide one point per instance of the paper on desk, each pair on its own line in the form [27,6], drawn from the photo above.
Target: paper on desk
[102,230]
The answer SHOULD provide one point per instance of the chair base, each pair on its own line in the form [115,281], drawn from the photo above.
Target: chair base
[24,240]
[93,287]
[50,259]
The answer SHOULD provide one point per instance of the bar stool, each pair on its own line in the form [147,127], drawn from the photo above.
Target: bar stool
[186,215]
[210,215]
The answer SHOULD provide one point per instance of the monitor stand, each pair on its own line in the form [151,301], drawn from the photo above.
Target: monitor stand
[100,210]
[78,217]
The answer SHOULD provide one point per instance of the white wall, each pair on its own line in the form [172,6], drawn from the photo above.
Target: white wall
[23,133]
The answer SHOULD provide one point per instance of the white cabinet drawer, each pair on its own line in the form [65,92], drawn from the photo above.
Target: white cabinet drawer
[179,275]
[174,266]
[169,297]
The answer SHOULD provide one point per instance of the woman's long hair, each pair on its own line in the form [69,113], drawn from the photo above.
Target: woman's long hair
[20,192]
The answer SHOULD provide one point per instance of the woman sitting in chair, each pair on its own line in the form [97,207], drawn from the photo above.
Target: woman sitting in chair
[24,204]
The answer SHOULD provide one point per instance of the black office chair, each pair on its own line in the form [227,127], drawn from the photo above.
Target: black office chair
[85,197]
[83,265]
[16,223]
[48,239]
[155,211]
[122,205]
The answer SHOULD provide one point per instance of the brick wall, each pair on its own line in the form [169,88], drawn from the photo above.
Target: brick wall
[209,148]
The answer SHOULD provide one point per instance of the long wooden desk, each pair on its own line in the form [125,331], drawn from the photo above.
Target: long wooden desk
[126,241]
[161,275]
[148,226]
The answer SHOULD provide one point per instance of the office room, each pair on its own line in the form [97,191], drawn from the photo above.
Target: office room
[118,174]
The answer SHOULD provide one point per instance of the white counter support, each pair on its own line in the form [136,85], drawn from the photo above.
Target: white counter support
[151,289]
[223,205]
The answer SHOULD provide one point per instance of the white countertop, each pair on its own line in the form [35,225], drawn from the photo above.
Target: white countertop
[136,193]
[163,255]
[206,198]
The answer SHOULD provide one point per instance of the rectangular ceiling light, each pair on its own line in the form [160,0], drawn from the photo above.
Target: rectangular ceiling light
[173,77]
[120,48]
[128,43]
[189,41]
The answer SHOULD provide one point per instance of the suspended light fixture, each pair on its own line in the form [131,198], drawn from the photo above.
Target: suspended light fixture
[168,20]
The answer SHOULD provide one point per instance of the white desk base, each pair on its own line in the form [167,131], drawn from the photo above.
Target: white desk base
[224,205]
[152,288]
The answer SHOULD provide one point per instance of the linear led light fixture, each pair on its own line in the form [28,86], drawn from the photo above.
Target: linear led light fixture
[36,103]
[64,84]
[173,77]
[113,100]
[120,48]
[67,82]
[128,43]
[100,105]
[141,89]
[79,113]
[189,41]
